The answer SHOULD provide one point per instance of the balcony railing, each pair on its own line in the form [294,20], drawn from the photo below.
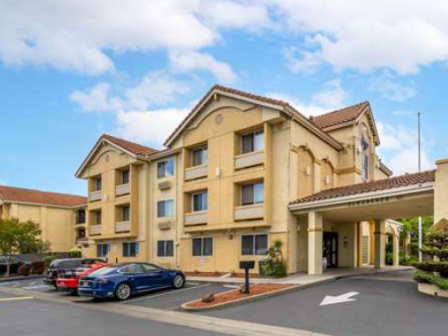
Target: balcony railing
[95,230]
[123,189]
[255,211]
[95,196]
[194,218]
[249,160]
[124,226]
[195,172]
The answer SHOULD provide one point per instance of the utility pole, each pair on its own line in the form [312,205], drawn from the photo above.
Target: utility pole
[420,231]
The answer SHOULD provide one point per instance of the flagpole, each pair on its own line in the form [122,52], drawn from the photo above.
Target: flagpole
[420,231]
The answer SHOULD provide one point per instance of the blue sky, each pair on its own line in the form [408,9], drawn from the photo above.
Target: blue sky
[72,70]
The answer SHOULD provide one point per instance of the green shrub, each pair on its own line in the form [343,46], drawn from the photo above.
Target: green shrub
[389,258]
[48,259]
[275,265]
[74,254]
[407,260]
[413,248]
[429,278]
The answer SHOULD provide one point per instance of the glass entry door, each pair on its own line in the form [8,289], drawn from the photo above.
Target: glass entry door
[330,249]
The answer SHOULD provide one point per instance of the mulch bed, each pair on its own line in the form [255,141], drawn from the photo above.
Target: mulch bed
[235,295]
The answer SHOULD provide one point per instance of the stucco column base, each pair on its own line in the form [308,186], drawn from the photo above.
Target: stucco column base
[396,251]
[315,243]
[380,243]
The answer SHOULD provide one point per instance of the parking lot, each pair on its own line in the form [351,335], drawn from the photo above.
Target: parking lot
[166,299]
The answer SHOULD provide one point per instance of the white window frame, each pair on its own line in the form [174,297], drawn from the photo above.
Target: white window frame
[202,255]
[254,247]
[254,202]
[192,201]
[204,156]
[165,172]
[108,250]
[254,134]
[165,201]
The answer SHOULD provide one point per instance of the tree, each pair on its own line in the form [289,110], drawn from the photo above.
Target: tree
[20,237]
[436,245]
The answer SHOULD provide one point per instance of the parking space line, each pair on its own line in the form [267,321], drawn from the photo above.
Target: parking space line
[37,287]
[164,294]
[17,298]
[8,284]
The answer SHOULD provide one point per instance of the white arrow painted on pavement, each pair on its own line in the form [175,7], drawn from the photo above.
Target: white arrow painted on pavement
[329,300]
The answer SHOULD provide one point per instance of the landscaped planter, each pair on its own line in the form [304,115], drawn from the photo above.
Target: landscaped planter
[432,290]
[234,297]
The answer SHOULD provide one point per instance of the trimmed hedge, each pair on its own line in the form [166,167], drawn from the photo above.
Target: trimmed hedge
[429,278]
[439,267]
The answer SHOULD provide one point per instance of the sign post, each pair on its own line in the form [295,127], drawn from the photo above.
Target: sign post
[247,265]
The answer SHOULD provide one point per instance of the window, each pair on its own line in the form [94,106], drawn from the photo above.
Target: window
[132,269]
[125,176]
[252,142]
[252,193]
[97,183]
[202,247]
[165,248]
[130,249]
[365,146]
[254,244]
[199,157]
[102,250]
[165,208]
[200,202]
[148,268]
[126,213]
[165,168]
[81,217]
[97,217]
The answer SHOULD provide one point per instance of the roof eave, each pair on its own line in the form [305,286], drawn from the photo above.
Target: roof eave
[312,205]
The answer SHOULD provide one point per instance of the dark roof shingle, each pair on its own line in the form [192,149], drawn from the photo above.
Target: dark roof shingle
[342,116]
[12,194]
[367,187]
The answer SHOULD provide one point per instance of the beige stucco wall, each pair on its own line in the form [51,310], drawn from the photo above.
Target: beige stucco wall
[441,191]
[57,224]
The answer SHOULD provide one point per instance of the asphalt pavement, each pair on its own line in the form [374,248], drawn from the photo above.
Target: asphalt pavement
[382,306]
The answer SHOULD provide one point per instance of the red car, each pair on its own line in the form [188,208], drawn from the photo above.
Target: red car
[69,281]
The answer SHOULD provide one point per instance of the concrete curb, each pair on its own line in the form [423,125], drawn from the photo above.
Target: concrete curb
[30,277]
[239,301]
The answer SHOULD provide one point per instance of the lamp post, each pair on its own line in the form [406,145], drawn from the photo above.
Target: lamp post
[420,231]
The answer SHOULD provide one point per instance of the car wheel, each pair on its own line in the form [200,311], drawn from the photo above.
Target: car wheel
[178,281]
[123,292]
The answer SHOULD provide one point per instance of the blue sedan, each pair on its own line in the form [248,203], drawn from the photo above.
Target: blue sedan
[123,280]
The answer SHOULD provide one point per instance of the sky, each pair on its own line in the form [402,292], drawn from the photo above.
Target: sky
[72,70]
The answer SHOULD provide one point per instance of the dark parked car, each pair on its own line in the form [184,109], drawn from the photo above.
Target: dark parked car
[63,265]
[14,265]
[123,280]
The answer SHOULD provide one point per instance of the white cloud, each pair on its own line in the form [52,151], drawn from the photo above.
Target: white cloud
[399,148]
[156,88]
[403,35]
[392,89]
[332,97]
[152,127]
[189,61]
[81,35]
[97,99]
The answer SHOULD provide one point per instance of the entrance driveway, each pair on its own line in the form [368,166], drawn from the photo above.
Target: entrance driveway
[387,305]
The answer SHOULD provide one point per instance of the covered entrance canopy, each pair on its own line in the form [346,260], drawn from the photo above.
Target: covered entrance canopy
[405,196]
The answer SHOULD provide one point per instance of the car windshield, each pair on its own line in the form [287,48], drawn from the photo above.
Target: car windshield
[103,270]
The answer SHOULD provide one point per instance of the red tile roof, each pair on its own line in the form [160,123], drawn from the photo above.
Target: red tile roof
[12,194]
[367,187]
[342,116]
[132,147]
[244,94]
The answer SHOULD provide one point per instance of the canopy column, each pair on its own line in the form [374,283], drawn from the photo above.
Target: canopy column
[380,243]
[315,243]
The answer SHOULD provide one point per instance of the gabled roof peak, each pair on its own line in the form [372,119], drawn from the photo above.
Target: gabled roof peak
[340,116]
[130,146]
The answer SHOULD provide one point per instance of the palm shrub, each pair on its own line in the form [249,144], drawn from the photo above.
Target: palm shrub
[435,272]
[275,265]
